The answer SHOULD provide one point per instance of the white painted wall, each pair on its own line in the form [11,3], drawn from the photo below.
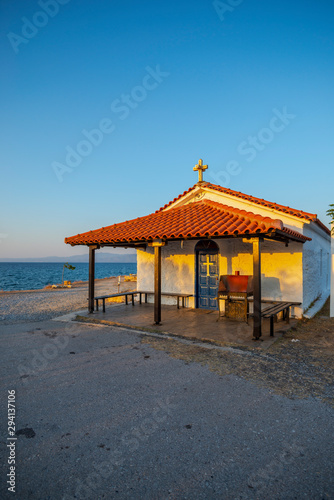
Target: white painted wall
[316,268]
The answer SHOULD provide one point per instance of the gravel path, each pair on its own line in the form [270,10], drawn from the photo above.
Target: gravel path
[39,305]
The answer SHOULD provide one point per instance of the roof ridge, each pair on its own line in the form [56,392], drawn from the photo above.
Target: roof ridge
[249,197]
[253,199]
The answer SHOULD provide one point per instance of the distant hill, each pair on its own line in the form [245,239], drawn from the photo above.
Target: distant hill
[99,257]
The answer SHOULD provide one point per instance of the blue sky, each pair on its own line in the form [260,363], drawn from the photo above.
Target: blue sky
[108,105]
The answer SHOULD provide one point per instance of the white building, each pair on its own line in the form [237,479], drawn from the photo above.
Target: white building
[297,270]
[210,231]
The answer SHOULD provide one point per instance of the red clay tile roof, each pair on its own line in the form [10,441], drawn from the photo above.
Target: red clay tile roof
[325,228]
[293,234]
[275,206]
[199,219]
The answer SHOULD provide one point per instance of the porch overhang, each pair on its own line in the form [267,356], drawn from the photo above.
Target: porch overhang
[282,236]
[205,219]
[202,219]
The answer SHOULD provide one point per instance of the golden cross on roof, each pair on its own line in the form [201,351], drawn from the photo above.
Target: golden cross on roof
[200,167]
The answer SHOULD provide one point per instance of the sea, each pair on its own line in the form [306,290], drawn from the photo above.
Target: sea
[36,275]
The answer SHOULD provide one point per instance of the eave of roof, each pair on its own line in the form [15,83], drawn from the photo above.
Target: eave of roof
[294,235]
[200,219]
[264,203]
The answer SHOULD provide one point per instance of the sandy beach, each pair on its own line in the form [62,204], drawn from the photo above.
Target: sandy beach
[38,305]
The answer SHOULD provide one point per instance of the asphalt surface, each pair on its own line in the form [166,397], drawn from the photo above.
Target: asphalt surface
[99,414]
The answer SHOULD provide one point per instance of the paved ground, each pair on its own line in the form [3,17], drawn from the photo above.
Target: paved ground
[104,412]
[196,324]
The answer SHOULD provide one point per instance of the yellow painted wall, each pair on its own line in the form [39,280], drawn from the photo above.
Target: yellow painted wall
[177,269]
[281,269]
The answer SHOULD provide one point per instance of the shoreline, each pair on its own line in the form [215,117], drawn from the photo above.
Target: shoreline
[74,285]
[26,306]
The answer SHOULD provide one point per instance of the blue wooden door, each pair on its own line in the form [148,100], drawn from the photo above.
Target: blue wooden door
[207,279]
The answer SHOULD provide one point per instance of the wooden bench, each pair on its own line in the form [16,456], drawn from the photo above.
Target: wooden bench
[104,297]
[275,308]
[178,296]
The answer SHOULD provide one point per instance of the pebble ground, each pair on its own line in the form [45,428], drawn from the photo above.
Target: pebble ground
[38,305]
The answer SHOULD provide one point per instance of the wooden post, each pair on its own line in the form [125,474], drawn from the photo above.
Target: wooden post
[91,283]
[257,288]
[157,284]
